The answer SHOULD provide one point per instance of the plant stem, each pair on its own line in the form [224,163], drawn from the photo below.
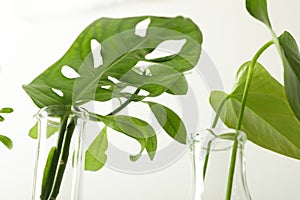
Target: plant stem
[128,101]
[53,169]
[218,113]
[240,118]
[61,153]
[63,159]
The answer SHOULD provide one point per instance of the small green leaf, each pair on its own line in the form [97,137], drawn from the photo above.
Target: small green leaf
[6,141]
[1,118]
[135,128]
[268,119]
[170,121]
[33,132]
[47,168]
[259,10]
[51,130]
[95,156]
[6,110]
[291,60]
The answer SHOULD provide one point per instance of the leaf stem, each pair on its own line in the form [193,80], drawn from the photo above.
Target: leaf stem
[128,101]
[215,122]
[219,111]
[53,168]
[240,118]
[63,159]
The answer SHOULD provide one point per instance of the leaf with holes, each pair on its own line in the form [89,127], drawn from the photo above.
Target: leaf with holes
[161,79]
[121,49]
[268,119]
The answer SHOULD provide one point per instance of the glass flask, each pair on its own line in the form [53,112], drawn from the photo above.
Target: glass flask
[59,161]
[211,154]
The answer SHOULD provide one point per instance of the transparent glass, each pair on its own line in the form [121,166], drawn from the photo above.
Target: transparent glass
[65,145]
[211,154]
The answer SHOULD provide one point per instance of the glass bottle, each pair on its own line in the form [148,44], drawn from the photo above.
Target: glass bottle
[59,154]
[211,154]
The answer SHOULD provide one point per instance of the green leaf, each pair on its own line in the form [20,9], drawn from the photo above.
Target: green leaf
[291,60]
[95,156]
[6,110]
[170,121]
[259,10]
[48,168]
[121,50]
[135,128]
[51,130]
[6,141]
[33,132]
[268,119]
[162,79]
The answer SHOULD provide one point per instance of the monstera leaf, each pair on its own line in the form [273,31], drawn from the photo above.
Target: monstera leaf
[121,50]
[268,119]
[130,53]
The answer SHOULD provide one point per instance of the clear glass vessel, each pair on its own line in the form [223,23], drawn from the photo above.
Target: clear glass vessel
[59,162]
[211,154]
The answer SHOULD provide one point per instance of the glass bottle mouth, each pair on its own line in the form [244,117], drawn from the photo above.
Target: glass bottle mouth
[56,111]
[218,139]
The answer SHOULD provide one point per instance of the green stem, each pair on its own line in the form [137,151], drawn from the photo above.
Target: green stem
[240,118]
[206,159]
[63,159]
[53,168]
[218,113]
[61,154]
[128,101]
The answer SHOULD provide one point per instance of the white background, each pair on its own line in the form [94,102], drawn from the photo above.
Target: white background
[34,34]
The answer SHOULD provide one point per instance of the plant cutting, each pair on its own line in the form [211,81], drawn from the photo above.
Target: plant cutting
[123,48]
[259,105]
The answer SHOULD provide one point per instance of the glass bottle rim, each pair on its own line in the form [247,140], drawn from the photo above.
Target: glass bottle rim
[219,139]
[60,110]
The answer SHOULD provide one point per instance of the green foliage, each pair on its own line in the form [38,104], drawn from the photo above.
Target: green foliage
[291,61]
[268,112]
[122,52]
[288,51]
[4,139]
[51,130]
[95,156]
[47,169]
[268,119]
[259,10]
[135,128]
[170,121]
